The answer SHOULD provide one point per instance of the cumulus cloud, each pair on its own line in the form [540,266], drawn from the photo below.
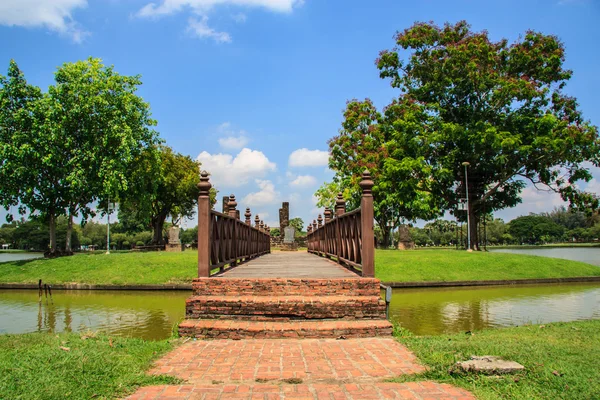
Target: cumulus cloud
[55,15]
[593,186]
[232,140]
[203,7]
[227,170]
[303,181]
[308,158]
[199,28]
[266,195]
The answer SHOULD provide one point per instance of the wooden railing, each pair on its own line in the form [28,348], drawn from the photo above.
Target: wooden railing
[349,237]
[223,239]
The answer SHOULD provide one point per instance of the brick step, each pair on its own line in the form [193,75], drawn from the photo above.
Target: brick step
[232,329]
[285,307]
[285,287]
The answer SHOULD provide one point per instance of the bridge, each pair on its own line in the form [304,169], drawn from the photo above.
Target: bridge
[243,290]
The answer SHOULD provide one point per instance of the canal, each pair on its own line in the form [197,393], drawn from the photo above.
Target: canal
[154,314]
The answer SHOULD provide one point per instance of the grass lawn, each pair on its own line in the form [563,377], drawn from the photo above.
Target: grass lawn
[115,268]
[561,360]
[76,366]
[391,266]
[453,265]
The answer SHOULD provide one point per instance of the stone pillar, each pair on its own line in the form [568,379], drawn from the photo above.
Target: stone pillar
[284,216]
[204,226]
[367,229]
[224,205]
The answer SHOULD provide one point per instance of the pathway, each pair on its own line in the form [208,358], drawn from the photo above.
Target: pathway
[293,369]
[297,264]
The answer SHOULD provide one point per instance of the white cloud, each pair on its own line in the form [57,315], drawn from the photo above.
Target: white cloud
[303,181]
[240,18]
[593,186]
[203,7]
[227,170]
[200,28]
[55,15]
[266,195]
[233,140]
[308,158]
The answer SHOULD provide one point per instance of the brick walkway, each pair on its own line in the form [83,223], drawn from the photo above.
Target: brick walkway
[293,369]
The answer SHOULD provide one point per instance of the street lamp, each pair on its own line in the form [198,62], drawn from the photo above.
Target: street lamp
[109,208]
[466,164]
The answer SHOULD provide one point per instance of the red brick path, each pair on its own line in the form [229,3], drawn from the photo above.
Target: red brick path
[322,369]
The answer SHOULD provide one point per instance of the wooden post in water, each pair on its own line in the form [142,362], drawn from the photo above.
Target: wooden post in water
[204,226]
[366,222]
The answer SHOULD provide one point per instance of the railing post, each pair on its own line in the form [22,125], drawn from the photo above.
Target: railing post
[340,209]
[366,222]
[248,216]
[204,222]
[231,205]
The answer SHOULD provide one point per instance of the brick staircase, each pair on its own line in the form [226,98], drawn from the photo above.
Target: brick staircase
[238,308]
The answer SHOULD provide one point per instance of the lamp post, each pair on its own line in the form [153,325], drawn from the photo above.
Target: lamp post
[466,164]
[108,210]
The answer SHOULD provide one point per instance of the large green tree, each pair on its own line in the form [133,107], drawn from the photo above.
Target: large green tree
[368,140]
[498,106]
[33,166]
[72,146]
[106,127]
[175,195]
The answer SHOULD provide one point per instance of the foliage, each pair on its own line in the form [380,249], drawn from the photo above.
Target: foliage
[33,234]
[465,98]
[176,194]
[560,360]
[298,224]
[76,366]
[452,265]
[189,236]
[275,232]
[534,229]
[366,142]
[74,145]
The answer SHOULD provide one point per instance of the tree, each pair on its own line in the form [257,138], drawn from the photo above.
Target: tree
[498,106]
[33,165]
[105,126]
[73,146]
[176,194]
[298,224]
[534,229]
[366,142]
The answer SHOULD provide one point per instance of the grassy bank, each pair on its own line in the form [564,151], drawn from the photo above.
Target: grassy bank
[112,269]
[76,366]
[452,265]
[155,268]
[561,360]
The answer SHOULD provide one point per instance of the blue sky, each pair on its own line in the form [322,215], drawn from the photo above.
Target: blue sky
[255,88]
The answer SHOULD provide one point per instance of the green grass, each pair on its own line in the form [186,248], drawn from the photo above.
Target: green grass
[561,360]
[452,265]
[115,269]
[155,268]
[37,366]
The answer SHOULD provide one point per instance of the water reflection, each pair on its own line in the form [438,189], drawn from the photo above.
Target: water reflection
[435,311]
[149,315]
[152,315]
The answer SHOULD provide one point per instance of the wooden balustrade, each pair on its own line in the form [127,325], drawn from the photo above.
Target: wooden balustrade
[349,236]
[223,239]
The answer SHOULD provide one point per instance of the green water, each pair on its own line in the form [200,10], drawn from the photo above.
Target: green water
[444,310]
[153,314]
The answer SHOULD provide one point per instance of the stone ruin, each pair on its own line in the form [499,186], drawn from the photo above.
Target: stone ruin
[174,243]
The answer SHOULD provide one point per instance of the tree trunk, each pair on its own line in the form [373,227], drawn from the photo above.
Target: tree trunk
[157,226]
[68,246]
[52,229]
